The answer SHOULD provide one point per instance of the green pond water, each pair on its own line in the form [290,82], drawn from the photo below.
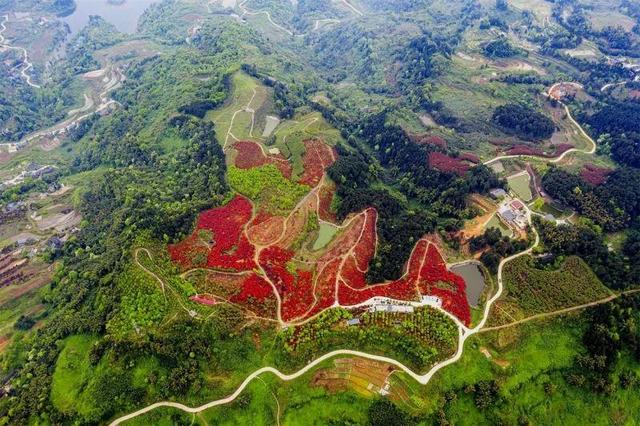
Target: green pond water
[325,234]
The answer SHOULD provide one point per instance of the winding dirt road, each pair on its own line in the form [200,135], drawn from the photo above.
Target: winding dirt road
[590,151]
[27,65]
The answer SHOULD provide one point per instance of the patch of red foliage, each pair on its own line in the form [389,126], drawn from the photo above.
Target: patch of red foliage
[435,279]
[254,287]
[426,271]
[365,248]
[346,239]
[338,274]
[203,299]
[430,140]
[256,294]
[295,289]
[229,248]
[595,175]
[447,164]
[562,148]
[524,150]
[470,156]
[250,155]
[325,284]
[325,198]
[634,94]
[317,157]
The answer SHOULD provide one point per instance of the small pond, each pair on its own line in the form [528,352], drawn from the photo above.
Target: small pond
[474,278]
[325,234]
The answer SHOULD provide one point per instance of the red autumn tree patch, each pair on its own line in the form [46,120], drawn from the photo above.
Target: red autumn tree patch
[317,157]
[220,238]
[595,175]
[250,155]
[444,163]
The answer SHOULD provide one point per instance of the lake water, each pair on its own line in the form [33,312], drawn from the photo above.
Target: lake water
[124,16]
[473,278]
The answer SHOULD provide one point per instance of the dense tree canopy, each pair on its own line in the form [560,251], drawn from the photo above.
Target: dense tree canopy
[523,121]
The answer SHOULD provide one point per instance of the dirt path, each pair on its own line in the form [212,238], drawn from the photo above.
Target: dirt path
[66,125]
[559,158]
[316,25]
[137,261]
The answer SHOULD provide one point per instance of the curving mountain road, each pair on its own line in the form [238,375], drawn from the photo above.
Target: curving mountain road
[27,65]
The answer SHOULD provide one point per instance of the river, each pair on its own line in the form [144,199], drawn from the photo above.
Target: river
[124,16]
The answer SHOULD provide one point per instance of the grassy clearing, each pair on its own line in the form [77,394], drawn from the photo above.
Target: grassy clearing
[540,8]
[495,222]
[326,233]
[610,18]
[72,373]
[542,207]
[242,96]
[525,356]
[520,185]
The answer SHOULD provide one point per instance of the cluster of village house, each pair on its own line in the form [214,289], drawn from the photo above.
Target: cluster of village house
[511,211]
[32,170]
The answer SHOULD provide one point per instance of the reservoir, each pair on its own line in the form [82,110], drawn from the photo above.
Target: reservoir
[123,15]
[473,278]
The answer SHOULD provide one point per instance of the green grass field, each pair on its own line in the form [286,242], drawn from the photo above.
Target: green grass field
[326,232]
[267,187]
[520,186]
[246,93]
[72,373]
[495,222]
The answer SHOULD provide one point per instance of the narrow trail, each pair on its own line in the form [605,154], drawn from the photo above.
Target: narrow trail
[246,109]
[89,109]
[136,259]
[463,335]
[27,65]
